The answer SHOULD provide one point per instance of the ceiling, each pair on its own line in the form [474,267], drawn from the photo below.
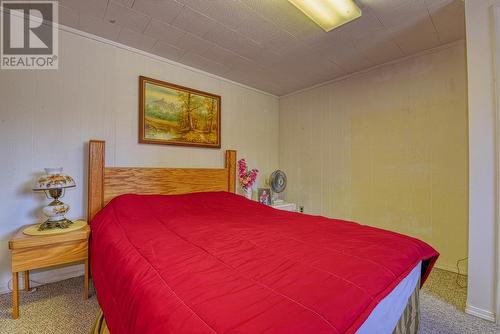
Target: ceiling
[269,44]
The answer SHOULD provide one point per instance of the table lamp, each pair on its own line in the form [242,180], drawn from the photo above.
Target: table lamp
[54,184]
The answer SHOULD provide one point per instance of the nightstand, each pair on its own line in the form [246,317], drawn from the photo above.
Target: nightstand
[36,252]
[285,206]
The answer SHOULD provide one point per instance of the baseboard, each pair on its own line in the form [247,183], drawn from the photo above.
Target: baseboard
[451,268]
[38,278]
[480,313]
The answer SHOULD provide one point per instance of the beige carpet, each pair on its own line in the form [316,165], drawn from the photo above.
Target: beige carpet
[448,287]
[59,308]
[56,308]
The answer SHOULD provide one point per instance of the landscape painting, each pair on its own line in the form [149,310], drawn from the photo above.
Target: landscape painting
[174,115]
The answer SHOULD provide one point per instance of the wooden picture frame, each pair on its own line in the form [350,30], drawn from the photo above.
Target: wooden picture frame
[264,196]
[170,114]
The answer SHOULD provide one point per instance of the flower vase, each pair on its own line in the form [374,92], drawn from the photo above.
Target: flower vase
[248,193]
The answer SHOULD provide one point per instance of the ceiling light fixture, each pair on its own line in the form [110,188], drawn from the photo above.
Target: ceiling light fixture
[329,14]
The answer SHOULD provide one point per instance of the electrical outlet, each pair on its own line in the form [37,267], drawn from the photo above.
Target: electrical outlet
[301,209]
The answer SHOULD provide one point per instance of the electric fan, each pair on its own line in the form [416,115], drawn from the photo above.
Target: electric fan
[277,182]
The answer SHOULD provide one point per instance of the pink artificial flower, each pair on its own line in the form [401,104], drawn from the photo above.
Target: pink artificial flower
[247,178]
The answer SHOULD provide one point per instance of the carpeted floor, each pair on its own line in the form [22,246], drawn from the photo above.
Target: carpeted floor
[448,287]
[442,305]
[59,308]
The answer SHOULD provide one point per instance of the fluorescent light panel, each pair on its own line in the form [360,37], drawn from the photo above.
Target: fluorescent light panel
[329,14]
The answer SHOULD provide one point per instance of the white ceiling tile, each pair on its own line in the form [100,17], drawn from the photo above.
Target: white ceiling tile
[300,63]
[449,19]
[257,29]
[234,41]
[68,16]
[246,50]
[354,64]
[164,10]
[242,63]
[163,31]
[230,13]
[340,49]
[267,34]
[88,7]
[281,43]
[199,5]
[284,15]
[381,53]
[194,43]
[388,5]
[269,58]
[252,76]
[126,17]
[99,27]
[217,69]
[368,22]
[335,38]
[136,40]
[193,22]
[269,44]
[438,2]
[206,64]
[377,49]
[318,37]
[415,37]
[396,12]
[329,70]
[168,51]
[223,56]
[127,3]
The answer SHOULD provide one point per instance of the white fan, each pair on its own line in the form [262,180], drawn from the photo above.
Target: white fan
[277,182]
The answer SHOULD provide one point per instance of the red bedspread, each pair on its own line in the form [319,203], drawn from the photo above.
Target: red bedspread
[219,263]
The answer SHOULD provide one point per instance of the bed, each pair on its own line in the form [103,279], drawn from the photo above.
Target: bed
[176,251]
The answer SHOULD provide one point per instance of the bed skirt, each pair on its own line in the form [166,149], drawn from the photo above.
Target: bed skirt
[407,324]
[100,325]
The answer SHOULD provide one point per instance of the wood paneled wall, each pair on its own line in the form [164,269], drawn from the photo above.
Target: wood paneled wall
[386,148]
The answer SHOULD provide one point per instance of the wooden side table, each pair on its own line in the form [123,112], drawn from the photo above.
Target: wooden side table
[36,252]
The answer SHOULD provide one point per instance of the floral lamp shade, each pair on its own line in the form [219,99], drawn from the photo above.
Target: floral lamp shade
[54,178]
[54,184]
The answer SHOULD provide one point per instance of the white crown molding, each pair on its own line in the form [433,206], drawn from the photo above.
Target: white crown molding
[155,57]
[480,313]
[395,61]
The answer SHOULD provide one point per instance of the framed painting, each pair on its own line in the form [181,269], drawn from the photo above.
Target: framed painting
[175,115]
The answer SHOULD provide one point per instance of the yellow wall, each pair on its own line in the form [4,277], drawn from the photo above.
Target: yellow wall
[386,148]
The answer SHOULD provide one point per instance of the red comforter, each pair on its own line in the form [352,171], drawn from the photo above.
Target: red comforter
[219,263]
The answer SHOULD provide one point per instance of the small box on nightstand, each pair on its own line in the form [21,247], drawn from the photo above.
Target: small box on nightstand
[285,206]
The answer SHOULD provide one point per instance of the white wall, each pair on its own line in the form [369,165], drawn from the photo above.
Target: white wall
[46,117]
[387,148]
[483,202]
[496,42]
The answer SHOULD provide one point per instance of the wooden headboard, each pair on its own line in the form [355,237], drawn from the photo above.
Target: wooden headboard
[105,183]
